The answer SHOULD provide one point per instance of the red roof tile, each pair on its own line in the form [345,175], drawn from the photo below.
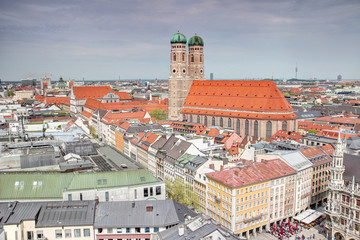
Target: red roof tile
[91,92]
[255,97]
[123,95]
[58,100]
[86,114]
[282,135]
[254,173]
[39,98]
[117,117]
[316,156]
[92,104]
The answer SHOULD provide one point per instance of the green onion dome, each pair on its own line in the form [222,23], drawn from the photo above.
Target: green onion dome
[196,41]
[178,38]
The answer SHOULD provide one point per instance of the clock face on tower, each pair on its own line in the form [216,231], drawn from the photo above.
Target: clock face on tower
[184,70]
[201,71]
[174,70]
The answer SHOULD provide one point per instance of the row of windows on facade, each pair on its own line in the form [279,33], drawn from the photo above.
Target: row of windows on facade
[58,233]
[127,230]
[247,125]
[183,57]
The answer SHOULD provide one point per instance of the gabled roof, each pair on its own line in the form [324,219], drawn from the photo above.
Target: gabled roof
[117,117]
[247,99]
[123,95]
[282,135]
[254,173]
[86,114]
[316,156]
[92,104]
[91,92]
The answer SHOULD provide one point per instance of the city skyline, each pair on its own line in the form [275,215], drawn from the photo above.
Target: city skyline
[243,39]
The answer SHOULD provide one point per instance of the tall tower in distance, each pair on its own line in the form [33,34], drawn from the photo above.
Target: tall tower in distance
[178,81]
[196,58]
[337,168]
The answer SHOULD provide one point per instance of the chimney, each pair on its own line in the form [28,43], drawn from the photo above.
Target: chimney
[181,230]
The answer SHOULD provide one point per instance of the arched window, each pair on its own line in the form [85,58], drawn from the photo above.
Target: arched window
[198,119]
[213,121]
[192,58]
[268,129]
[247,127]
[174,57]
[205,120]
[238,127]
[229,123]
[284,125]
[190,118]
[221,122]
[256,128]
[200,58]
[183,57]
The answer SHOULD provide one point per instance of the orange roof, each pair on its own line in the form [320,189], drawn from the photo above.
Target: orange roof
[213,132]
[57,100]
[186,127]
[335,134]
[316,156]
[116,117]
[310,125]
[286,135]
[53,118]
[92,104]
[86,114]
[123,95]
[131,105]
[39,98]
[233,98]
[254,173]
[91,91]
[124,125]
[340,120]
[328,148]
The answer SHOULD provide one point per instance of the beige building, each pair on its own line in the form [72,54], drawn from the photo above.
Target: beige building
[184,68]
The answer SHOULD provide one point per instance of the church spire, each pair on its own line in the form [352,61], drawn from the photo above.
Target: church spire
[338,168]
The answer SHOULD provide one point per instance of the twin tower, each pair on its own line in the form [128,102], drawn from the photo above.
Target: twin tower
[184,68]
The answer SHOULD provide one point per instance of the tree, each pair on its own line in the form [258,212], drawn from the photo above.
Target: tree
[158,114]
[182,193]
[11,93]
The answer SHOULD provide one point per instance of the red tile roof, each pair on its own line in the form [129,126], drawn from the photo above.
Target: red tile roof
[311,126]
[254,173]
[124,125]
[328,148]
[339,120]
[58,100]
[40,98]
[212,132]
[185,127]
[92,104]
[117,117]
[86,114]
[282,135]
[316,156]
[233,98]
[91,92]
[123,95]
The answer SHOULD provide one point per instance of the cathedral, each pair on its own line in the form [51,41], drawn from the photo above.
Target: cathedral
[251,108]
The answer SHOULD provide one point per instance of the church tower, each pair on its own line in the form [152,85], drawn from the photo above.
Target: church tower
[178,81]
[337,167]
[196,58]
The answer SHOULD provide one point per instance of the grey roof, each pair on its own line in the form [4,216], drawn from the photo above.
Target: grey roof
[178,149]
[24,211]
[308,114]
[82,148]
[295,159]
[138,128]
[200,228]
[135,214]
[5,211]
[354,143]
[68,213]
[352,168]
[195,163]
[159,143]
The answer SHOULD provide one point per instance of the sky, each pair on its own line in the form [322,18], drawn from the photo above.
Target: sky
[244,39]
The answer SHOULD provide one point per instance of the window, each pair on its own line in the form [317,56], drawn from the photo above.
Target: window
[183,57]
[192,58]
[119,230]
[30,235]
[58,233]
[221,122]
[284,125]
[198,119]
[200,58]
[190,119]
[174,57]
[86,232]
[135,194]
[238,127]
[229,123]
[256,128]
[247,127]
[151,191]
[67,233]
[77,233]
[146,192]
[81,198]
[147,229]
[127,230]
[213,121]
[156,229]
[158,190]
[268,129]
[137,230]
[39,234]
[109,230]
[107,196]
[69,197]
[205,120]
